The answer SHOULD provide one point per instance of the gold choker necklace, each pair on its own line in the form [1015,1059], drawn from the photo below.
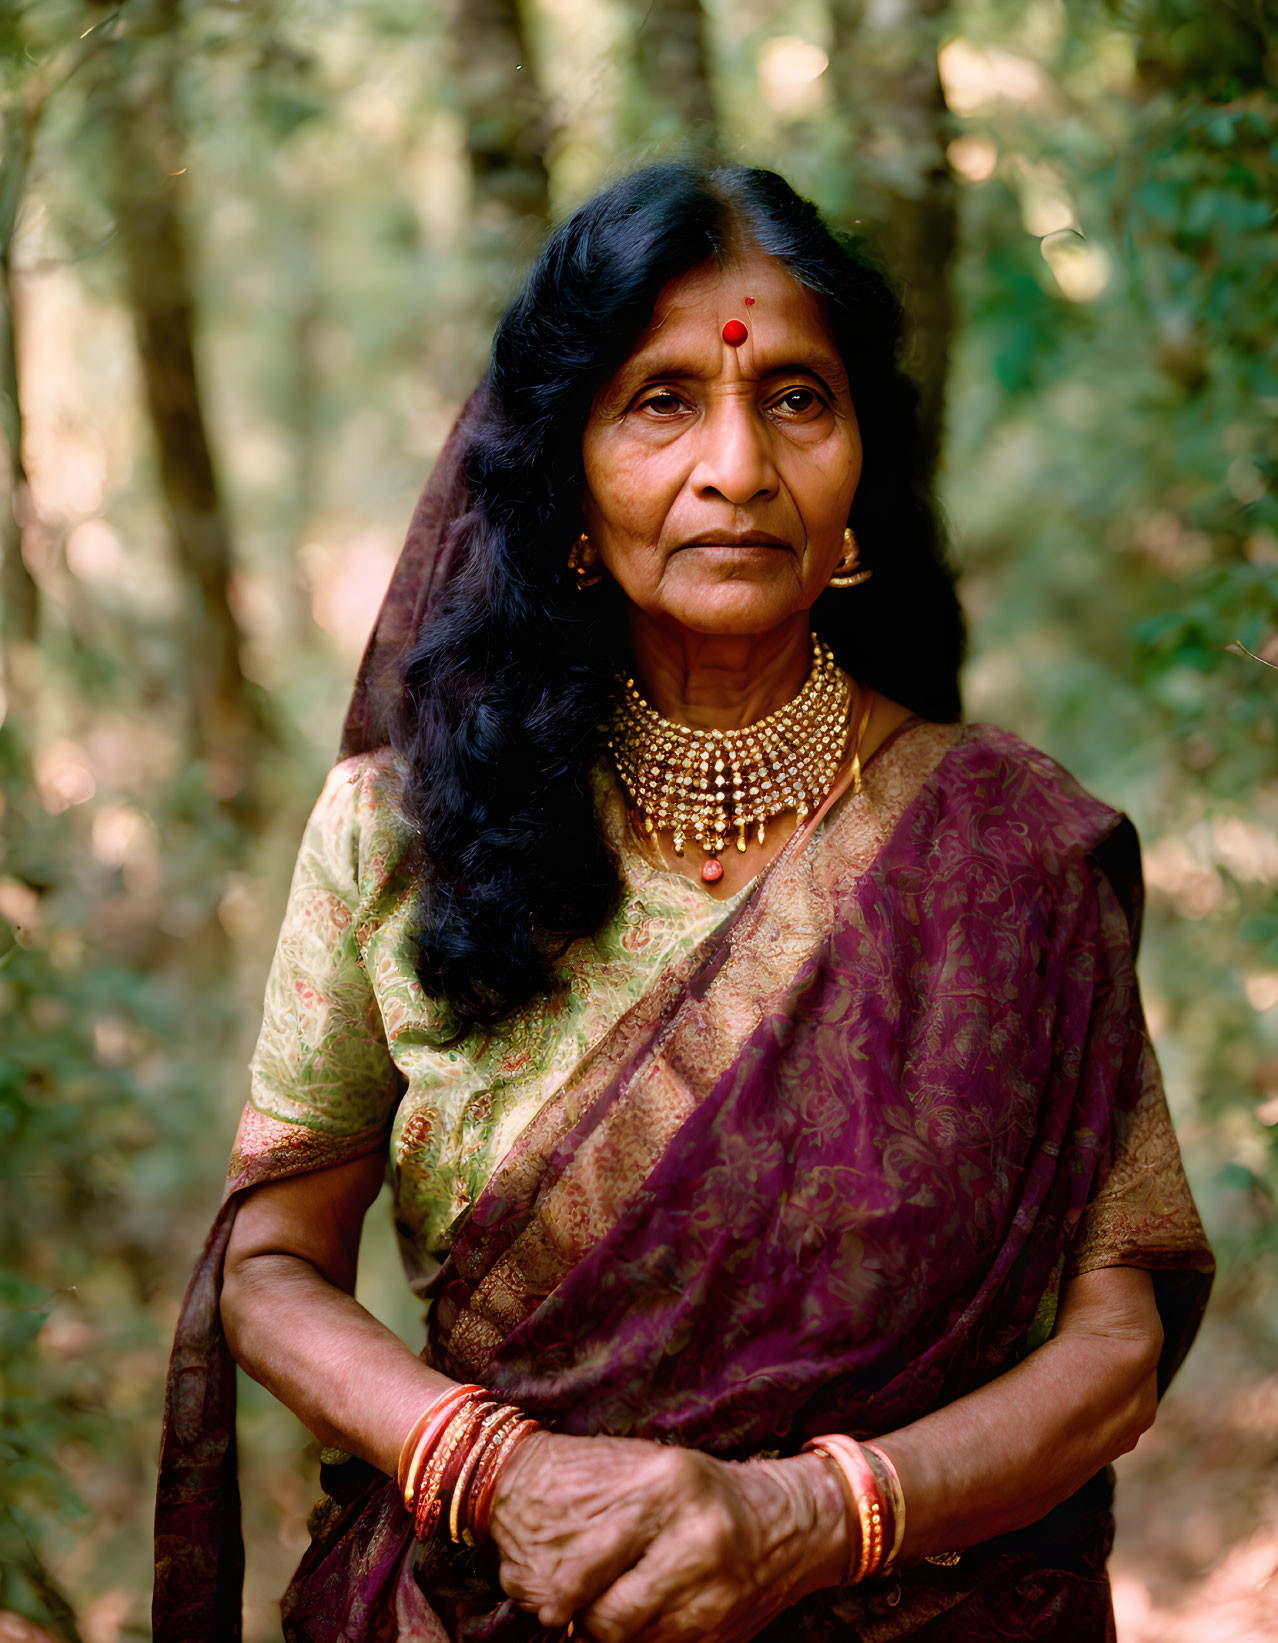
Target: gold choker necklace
[706,783]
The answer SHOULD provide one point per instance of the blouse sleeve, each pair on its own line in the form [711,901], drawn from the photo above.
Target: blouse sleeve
[322,1060]
[1143,1214]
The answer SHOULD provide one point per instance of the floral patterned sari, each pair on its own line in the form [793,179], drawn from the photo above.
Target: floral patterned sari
[828,1167]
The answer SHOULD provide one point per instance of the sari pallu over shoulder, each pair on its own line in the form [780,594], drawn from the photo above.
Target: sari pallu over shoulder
[827,1177]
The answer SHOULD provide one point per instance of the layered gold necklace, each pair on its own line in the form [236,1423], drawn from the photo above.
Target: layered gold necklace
[708,784]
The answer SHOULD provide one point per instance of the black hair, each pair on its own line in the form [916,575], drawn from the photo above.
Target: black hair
[510,683]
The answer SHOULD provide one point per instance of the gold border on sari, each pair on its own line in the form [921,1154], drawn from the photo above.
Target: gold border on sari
[767,943]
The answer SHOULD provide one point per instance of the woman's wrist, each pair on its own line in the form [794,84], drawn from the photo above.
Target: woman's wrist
[527,1461]
[828,1542]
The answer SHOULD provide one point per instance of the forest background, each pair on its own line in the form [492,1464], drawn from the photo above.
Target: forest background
[251,254]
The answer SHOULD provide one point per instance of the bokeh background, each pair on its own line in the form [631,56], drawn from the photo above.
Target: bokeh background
[251,255]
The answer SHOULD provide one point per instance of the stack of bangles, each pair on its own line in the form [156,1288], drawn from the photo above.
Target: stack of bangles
[453,1457]
[876,1502]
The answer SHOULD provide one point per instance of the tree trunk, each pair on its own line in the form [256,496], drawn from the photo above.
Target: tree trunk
[923,237]
[507,124]
[21,614]
[20,618]
[891,88]
[505,114]
[673,67]
[148,179]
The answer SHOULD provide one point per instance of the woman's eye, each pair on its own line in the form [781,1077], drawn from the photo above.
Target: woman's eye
[663,404]
[798,402]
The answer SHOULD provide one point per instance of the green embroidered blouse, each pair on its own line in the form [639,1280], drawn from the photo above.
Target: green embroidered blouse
[348,1032]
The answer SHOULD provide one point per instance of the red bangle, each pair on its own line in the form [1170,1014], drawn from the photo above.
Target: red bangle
[429,1444]
[429,1503]
[484,1480]
[846,1454]
[459,1454]
[450,1461]
[461,1521]
[425,1432]
[484,1501]
[897,1497]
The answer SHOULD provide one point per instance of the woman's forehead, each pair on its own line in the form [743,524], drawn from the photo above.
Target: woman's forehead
[750,288]
[782,319]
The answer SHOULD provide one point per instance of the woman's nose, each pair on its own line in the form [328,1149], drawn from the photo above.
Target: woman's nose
[735,456]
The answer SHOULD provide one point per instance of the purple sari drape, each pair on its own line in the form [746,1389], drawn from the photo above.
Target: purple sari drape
[826,1175]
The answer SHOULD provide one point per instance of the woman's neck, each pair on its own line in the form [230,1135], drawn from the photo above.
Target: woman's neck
[719,681]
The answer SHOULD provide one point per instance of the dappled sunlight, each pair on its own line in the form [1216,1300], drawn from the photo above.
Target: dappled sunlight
[790,73]
[347,582]
[64,777]
[973,157]
[975,78]
[169,702]
[1081,269]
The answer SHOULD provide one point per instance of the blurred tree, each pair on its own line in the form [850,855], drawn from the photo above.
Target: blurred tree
[20,593]
[27,90]
[507,126]
[18,587]
[672,94]
[892,112]
[149,163]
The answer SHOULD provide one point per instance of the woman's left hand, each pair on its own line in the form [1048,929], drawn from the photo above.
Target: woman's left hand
[745,1542]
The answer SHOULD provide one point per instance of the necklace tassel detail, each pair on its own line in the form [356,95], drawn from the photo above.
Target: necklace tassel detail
[707,785]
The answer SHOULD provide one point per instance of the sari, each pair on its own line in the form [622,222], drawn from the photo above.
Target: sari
[826,1168]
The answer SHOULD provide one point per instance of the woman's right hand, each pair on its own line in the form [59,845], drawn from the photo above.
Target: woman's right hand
[720,1545]
[572,1514]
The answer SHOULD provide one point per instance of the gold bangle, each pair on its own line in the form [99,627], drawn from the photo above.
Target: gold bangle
[495,1418]
[425,1431]
[863,1487]
[433,1483]
[898,1503]
[507,1443]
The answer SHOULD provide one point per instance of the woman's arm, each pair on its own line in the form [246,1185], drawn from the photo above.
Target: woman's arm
[714,1547]
[995,1460]
[1003,1456]
[293,1323]
[591,1505]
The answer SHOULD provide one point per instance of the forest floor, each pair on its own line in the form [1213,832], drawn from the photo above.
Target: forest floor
[1196,1555]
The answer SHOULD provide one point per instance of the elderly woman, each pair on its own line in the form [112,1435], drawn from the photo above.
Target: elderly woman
[755,1052]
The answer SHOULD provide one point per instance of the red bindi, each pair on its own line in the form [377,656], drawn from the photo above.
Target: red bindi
[734,333]
[749,302]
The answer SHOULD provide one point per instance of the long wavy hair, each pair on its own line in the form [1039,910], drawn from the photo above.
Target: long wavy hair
[510,683]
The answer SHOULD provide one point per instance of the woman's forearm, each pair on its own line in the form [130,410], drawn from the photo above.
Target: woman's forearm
[293,1322]
[1005,1455]
[992,1461]
[342,1373]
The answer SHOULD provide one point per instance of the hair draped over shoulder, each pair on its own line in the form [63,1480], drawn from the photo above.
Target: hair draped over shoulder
[488,672]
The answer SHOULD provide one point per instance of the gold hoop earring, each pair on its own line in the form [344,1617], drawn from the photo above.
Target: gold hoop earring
[846,574]
[581,556]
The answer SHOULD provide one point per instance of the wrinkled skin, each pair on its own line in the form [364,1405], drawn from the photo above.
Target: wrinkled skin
[679,1545]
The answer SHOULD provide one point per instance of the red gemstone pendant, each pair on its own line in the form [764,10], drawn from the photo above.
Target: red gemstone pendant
[711,870]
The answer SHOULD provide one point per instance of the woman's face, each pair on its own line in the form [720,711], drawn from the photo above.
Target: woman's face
[719,478]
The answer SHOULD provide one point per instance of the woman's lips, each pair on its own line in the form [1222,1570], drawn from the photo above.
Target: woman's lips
[725,539]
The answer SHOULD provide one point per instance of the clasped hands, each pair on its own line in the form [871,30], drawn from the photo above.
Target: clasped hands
[633,1540]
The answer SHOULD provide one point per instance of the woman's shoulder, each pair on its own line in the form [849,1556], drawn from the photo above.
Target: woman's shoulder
[356,825]
[363,785]
[1014,802]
